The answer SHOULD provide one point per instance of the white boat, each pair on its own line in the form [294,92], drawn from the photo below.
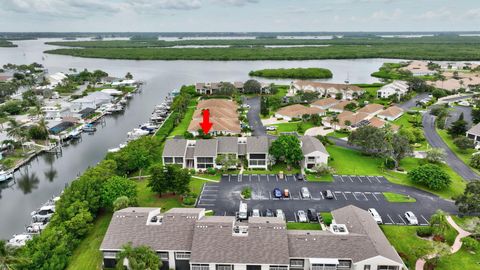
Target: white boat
[19,240]
[36,227]
[113,150]
[44,213]
[129,95]
[4,176]
[136,133]
[123,101]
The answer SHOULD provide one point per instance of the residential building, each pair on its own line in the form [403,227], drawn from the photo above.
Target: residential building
[55,112]
[419,68]
[212,87]
[297,111]
[92,100]
[223,115]
[185,238]
[346,91]
[399,88]
[474,133]
[340,107]
[325,103]
[346,120]
[371,109]
[202,154]
[56,78]
[391,113]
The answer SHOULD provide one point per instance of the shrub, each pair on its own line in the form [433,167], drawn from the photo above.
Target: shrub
[211,171]
[431,176]
[322,169]
[424,231]
[189,199]
[247,193]
[116,187]
[475,161]
[471,244]
[389,163]
[121,203]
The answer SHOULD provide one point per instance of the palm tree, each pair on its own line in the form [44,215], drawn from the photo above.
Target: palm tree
[16,131]
[8,257]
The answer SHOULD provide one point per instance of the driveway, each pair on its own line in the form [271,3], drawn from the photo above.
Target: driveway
[455,113]
[407,105]
[253,116]
[362,191]
[428,123]
[322,131]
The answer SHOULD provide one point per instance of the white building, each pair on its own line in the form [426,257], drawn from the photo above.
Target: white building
[92,100]
[397,87]
[56,78]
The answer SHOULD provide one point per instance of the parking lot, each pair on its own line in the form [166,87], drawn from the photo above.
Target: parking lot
[362,191]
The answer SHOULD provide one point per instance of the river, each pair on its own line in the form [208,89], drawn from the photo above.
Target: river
[47,175]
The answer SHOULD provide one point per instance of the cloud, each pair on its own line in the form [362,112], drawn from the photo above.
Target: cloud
[474,13]
[441,13]
[386,16]
[237,3]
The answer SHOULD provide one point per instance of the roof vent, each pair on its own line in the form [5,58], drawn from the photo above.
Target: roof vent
[339,229]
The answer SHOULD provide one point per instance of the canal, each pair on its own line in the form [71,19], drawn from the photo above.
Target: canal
[48,174]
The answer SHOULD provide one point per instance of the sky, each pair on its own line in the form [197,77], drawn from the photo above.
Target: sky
[238,15]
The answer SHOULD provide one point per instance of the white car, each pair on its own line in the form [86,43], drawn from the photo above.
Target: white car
[271,128]
[302,217]
[279,213]
[305,193]
[375,215]
[411,218]
[255,213]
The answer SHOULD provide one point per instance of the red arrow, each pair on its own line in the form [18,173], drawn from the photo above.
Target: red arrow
[206,124]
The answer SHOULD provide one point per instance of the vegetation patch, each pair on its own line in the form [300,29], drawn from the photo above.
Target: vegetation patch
[398,198]
[303,226]
[293,73]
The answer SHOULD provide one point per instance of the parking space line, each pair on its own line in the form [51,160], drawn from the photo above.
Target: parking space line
[211,200]
[401,220]
[428,223]
[349,177]
[334,196]
[360,178]
[364,196]
[379,181]
[355,196]
[370,180]
[373,194]
[259,177]
[321,194]
[206,204]
[393,222]
[345,196]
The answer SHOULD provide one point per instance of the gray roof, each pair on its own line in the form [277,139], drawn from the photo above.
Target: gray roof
[242,149]
[227,144]
[265,243]
[475,130]
[130,225]
[174,148]
[359,221]
[311,144]
[205,148]
[189,152]
[258,144]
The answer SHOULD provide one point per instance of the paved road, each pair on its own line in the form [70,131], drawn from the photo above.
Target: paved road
[343,143]
[428,123]
[362,191]
[455,113]
[253,116]
[407,105]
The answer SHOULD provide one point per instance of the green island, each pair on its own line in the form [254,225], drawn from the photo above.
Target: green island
[6,43]
[293,73]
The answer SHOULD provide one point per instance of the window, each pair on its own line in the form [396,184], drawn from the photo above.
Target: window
[257,162]
[163,256]
[109,254]
[387,267]
[311,159]
[167,160]
[324,267]
[200,267]
[366,267]
[179,160]
[296,263]
[224,267]
[278,267]
[344,264]
[182,256]
[205,159]
[258,156]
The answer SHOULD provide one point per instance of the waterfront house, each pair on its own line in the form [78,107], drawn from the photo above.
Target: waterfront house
[92,100]
[340,106]
[297,111]
[391,113]
[223,116]
[187,239]
[325,103]
[346,91]
[56,78]
[399,88]
[202,154]
[371,109]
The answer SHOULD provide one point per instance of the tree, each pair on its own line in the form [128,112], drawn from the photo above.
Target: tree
[469,202]
[350,106]
[316,119]
[9,259]
[370,139]
[458,127]
[116,187]
[431,176]
[138,258]
[401,148]
[438,93]
[137,155]
[435,155]
[169,178]
[226,161]
[287,148]
[264,106]
[464,143]
[439,223]
[128,76]
[252,87]
[476,115]
[227,89]
[121,203]
[475,161]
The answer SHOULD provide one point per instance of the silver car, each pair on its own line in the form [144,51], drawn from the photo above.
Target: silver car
[305,193]
[302,216]
[255,213]
[279,213]
[411,218]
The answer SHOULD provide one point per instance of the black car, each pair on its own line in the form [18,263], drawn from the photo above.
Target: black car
[328,194]
[269,213]
[312,215]
[299,177]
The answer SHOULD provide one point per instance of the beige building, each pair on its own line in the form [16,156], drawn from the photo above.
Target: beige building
[297,111]
[347,91]
[223,115]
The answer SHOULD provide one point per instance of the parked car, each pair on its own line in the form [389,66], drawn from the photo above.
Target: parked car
[271,128]
[277,193]
[269,213]
[328,194]
[286,193]
[299,177]
[304,192]
[375,215]
[302,217]
[279,213]
[255,213]
[243,211]
[312,215]
[411,218]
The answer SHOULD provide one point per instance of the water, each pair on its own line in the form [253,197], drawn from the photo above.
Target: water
[47,175]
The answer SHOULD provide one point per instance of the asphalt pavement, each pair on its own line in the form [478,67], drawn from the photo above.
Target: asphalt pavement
[253,116]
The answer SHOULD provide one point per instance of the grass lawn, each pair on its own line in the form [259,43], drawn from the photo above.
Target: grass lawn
[274,170]
[398,198]
[314,178]
[303,226]
[462,260]
[291,127]
[338,134]
[183,126]
[215,177]
[87,255]
[404,121]
[463,155]
[347,161]
[407,243]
